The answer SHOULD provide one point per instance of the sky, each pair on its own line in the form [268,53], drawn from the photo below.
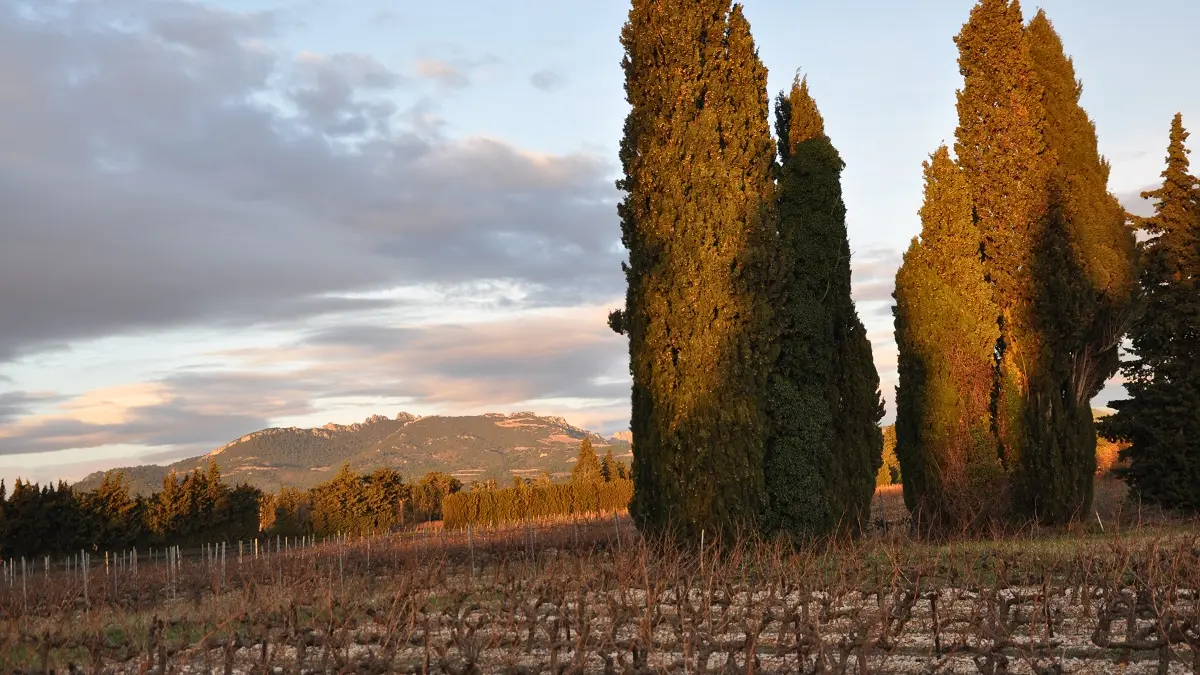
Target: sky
[221,216]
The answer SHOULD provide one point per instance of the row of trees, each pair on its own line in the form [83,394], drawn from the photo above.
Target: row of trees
[56,520]
[596,486]
[538,501]
[1012,304]
[201,507]
[352,503]
[755,400]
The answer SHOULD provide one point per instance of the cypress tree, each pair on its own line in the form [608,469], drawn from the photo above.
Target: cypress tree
[1161,418]
[697,158]
[858,405]
[1084,276]
[1102,244]
[1000,145]
[889,471]
[825,445]
[946,333]
[1055,250]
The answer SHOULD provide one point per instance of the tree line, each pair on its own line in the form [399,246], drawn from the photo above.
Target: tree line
[755,401]
[596,486]
[200,507]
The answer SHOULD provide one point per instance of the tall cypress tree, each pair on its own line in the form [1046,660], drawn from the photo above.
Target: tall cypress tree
[1161,418]
[1084,275]
[697,160]
[946,333]
[825,444]
[1001,147]
[1055,249]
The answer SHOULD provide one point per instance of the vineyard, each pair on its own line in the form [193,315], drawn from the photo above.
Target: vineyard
[593,597]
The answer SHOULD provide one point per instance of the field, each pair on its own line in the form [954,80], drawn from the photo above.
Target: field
[593,597]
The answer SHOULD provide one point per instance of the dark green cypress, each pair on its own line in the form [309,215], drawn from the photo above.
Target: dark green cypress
[858,439]
[1161,418]
[825,444]
[946,333]
[697,160]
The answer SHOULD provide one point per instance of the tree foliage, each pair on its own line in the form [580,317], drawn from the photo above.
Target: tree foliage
[946,334]
[889,471]
[536,502]
[1000,145]
[823,449]
[1058,259]
[1160,420]
[697,160]
[1084,271]
[587,467]
[429,493]
[200,507]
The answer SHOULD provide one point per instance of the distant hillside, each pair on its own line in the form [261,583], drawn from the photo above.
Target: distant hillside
[473,448]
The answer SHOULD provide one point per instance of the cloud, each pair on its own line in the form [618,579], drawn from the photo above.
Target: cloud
[17,404]
[115,405]
[452,73]
[1133,202]
[164,168]
[190,412]
[443,73]
[874,274]
[329,89]
[547,80]
[570,354]
[566,362]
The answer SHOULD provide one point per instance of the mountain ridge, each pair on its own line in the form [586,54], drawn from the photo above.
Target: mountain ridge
[472,447]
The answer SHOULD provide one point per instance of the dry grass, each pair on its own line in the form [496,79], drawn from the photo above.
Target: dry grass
[888,505]
[596,598]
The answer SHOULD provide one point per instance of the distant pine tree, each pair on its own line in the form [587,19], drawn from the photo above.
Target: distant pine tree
[889,472]
[168,510]
[587,466]
[697,157]
[1161,418]
[608,467]
[430,491]
[338,505]
[112,513]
